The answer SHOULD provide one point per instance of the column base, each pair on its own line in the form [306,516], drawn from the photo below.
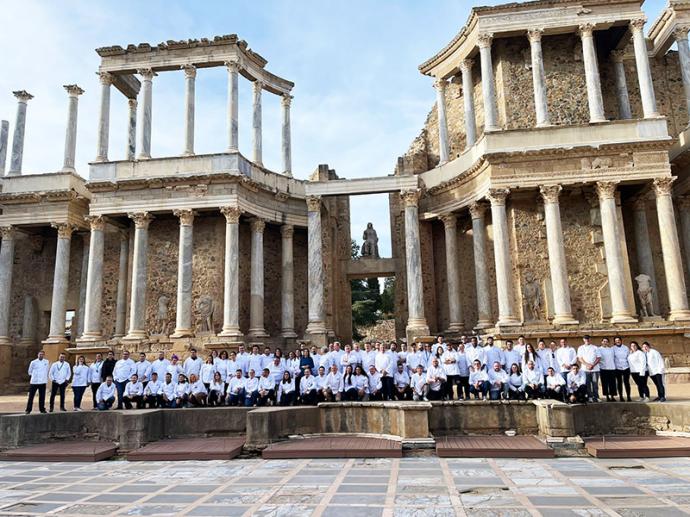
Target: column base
[187,154]
[679,315]
[509,321]
[257,333]
[231,332]
[316,327]
[597,120]
[55,340]
[54,349]
[89,338]
[144,157]
[26,342]
[455,328]
[288,333]
[136,335]
[544,124]
[68,169]
[415,329]
[623,318]
[5,340]
[178,333]
[483,324]
[564,319]
[491,129]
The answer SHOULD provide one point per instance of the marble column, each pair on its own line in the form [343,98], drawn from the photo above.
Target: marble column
[645,261]
[4,138]
[94,281]
[481,273]
[83,275]
[563,312]
[183,326]
[121,303]
[286,142]
[684,209]
[256,289]
[589,56]
[233,105]
[60,283]
[670,248]
[189,79]
[315,275]
[443,151]
[488,85]
[621,312]
[131,150]
[416,320]
[29,321]
[644,70]
[71,133]
[104,118]
[680,34]
[6,265]
[147,75]
[18,138]
[538,78]
[507,313]
[256,122]
[287,283]
[455,323]
[231,290]
[468,101]
[137,304]
[624,110]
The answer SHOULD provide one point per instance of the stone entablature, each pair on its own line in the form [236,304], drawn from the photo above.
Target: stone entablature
[662,33]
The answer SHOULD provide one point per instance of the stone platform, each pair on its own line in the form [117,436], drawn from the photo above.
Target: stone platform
[334,447]
[79,451]
[492,447]
[189,449]
[638,446]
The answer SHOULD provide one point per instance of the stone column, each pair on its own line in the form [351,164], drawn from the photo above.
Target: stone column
[6,265]
[684,208]
[644,70]
[71,133]
[183,326]
[589,56]
[468,101]
[507,314]
[538,78]
[29,321]
[488,86]
[416,320]
[104,118]
[137,304]
[256,122]
[286,137]
[455,323]
[60,283]
[563,312]
[4,137]
[189,79]
[680,34]
[83,275]
[132,129]
[624,110]
[481,274]
[147,75]
[94,282]
[670,247]
[620,310]
[121,303]
[231,290]
[317,311]
[256,304]
[287,283]
[645,262]
[443,152]
[233,106]
[19,127]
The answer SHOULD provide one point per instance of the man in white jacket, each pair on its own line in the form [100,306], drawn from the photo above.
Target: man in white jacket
[656,367]
[59,374]
[38,373]
[105,395]
[498,381]
[435,378]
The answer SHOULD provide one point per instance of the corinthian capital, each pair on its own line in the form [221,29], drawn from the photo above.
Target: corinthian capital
[550,193]
[477,210]
[449,220]
[466,65]
[484,39]
[141,219]
[189,71]
[146,74]
[498,196]
[663,186]
[286,100]
[106,78]
[586,30]
[257,86]
[637,24]
[681,32]
[23,96]
[617,56]
[313,203]
[534,35]
[440,84]
[233,66]
[410,197]
[287,231]
[606,189]
[96,222]
[64,230]
[258,225]
[73,90]
[231,213]
[186,216]
[7,233]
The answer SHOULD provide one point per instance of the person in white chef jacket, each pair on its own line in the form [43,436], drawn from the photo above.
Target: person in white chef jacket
[332,390]
[168,395]
[620,355]
[637,361]
[38,373]
[95,378]
[498,382]
[122,373]
[105,395]
[80,380]
[134,393]
[152,392]
[59,375]
[656,368]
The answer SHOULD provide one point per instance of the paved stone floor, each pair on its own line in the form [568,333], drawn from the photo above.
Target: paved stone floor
[424,486]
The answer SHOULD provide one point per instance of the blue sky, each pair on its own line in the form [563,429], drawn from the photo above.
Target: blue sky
[359,98]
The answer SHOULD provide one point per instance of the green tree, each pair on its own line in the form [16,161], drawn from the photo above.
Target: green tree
[388,297]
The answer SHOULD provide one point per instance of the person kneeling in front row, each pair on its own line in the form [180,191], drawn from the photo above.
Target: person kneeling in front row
[152,392]
[216,390]
[181,391]
[134,393]
[197,391]
[420,388]
[266,388]
[577,385]
[307,388]
[235,389]
[479,380]
[555,385]
[286,390]
[105,395]
[167,392]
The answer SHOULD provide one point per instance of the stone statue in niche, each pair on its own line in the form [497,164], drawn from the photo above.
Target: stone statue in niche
[162,315]
[205,307]
[645,290]
[370,248]
[532,292]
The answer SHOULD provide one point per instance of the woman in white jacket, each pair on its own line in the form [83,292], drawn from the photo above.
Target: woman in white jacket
[638,370]
[656,367]
[80,380]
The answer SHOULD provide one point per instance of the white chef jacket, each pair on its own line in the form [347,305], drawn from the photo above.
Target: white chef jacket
[38,370]
[197,387]
[638,362]
[143,370]
[133,389]
[478,376]
[181,389]
[285,388]
[384,364]
[192,366]
[532,377]
[168,390]
[206,373]
[655,363]
[235,385]
[620,357]
[512,357]
[306,384]
[497,376]
[334,381]
[60,372]
[153,388]
[553,381]
[160,367]
[452,367]
[266,383]
[418,382]
[607,361]
[493,354]
[95,373]
[251,384]
[375,381]
[589,353]
[566,356]
[515,382]
[435,375]
[105,392]
[401,379]
[80,375]
[475,352]
[124,369]
[575,381]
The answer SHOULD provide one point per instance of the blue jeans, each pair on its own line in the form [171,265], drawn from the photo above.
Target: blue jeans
[251,398]
[236,399]
[106,404]
[120,386]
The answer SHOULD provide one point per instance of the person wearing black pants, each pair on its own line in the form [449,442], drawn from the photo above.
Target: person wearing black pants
[59,374]
[656,367]
[637,361]
[620,355]
[38,372]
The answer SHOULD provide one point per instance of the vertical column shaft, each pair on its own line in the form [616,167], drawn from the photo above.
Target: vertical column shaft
[137,304]
[504,269]
[589,56]
[183,327]
[684,209]
[231,289]
[670,247]
[19,128]
[60,283]
[317,310]
[624,110]
[455,323]
[121,300]
[6,266]
[189,93]
[4,138]
[71,132]
[644,70]
[681,36]
[488,85]
[104,118]
[443,151]
[256,123]
[645,261]
[538,78]
[286,136]
[131,150]
[256,305]
[94,281]
[481,273]
[287,283]
[468,102]
[563,312]
[416,319]
[146,112]
[233,105]
[83,275]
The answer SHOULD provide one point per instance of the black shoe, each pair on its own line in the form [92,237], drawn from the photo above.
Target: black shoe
[27,412]
[656,399]
[62,409]
[662,399]
[43,411]
[629,399]
[51,409]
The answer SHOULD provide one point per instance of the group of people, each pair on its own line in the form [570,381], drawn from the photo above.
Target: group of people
[375,371]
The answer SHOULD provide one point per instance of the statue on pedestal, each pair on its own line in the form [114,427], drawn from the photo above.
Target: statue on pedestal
[370,248]
[644,293]
[162,316]
[205,308]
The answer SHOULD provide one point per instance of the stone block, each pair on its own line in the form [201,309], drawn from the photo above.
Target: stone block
[266,425]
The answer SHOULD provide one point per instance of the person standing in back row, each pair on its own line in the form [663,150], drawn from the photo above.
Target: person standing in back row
[38,372]
[59,374]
